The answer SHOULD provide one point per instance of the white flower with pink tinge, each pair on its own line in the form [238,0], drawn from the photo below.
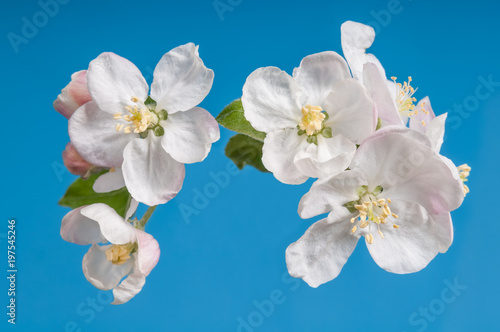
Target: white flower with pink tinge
[397,195]
[118,249]
[313,119]
[149,134]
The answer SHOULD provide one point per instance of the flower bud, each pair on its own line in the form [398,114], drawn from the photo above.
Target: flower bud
[74,162]
[74,95]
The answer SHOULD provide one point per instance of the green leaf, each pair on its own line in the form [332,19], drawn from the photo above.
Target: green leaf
[80,193]
[232,117]
[244,150]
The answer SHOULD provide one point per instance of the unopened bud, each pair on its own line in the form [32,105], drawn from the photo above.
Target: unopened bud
[74,95]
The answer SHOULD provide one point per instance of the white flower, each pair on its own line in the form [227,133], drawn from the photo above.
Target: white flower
[425,121]
[118,249]
[150,137]
[397,194]
[394,101]
[312,120]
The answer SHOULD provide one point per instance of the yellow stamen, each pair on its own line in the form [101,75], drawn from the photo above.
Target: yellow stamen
[312,119]
[404,97]
[464,172]
[369,238]
[118,254]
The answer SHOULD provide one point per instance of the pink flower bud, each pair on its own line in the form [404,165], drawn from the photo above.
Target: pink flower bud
[74,162]
[74,95]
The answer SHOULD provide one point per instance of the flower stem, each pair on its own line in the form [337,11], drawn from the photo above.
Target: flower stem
[144,220]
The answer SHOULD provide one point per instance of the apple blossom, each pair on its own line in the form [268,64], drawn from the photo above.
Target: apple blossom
[118,249]
[394,101]
[397,194]
[74,95]
[149,136]
[312,120]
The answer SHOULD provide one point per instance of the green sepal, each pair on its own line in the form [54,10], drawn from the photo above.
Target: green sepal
[312,139]
[350,206]
[361,191]
[233,118]
[377,190]
[245,150]
[327,132]
[163,115]
[159,131]
[80,193]
[150,103]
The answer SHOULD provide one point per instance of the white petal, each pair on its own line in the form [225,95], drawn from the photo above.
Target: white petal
[331,156]
[416,120]
[129,288]
[113,81]
[331,194]
[181,80]
[102,273]
[93,133]
[351,111]
[270,100]
[113,227]
[408,170]
[435,131]
[189,135]
[382,97]
[109,181]
[151,175]
[319,255]
[76,228]
[356,38]
[317,75]
[410,247]
[445,230]
[278,155]
[148,253]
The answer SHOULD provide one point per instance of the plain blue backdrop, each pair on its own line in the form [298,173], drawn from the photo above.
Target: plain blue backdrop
[224,265]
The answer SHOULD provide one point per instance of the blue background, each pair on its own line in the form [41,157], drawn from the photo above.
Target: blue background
[214,265]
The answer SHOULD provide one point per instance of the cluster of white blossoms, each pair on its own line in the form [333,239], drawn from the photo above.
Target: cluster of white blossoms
[374,150]
[143,137]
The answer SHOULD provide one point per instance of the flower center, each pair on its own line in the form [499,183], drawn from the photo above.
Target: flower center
[464,171]
[312,123]
[312,119]
[372,211]
[404,98]
[140,118]
[118,254]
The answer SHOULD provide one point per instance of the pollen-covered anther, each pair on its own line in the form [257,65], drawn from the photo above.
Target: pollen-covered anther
[312,119]
[404,97]
[369,238]
[374,211]
[139,118]
[464,172]
[118,254]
